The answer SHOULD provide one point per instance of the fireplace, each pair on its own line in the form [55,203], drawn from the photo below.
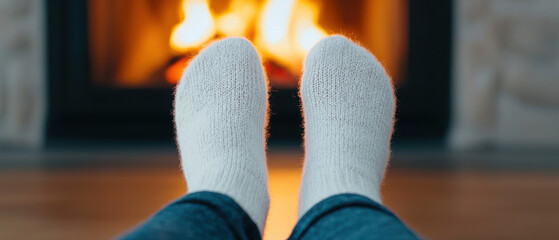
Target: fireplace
[113,64]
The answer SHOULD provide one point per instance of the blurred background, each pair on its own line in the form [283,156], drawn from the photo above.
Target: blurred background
[86,87]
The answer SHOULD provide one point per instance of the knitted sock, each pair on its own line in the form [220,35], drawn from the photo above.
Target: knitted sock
[220,116]
[348,104]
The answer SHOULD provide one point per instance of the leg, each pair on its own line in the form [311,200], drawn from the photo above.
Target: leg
[200,215]
[350,216]
[348,104]
[220,116]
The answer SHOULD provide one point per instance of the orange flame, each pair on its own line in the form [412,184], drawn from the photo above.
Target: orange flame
[285,30]
[197,27]
[237,19]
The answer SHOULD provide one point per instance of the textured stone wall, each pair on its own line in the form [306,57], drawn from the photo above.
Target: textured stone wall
[506,74]
[22,73]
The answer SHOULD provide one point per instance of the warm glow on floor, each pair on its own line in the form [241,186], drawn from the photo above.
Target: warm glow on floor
[284,190]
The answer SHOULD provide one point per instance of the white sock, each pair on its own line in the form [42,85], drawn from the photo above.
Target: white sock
[348,104]
[221,115]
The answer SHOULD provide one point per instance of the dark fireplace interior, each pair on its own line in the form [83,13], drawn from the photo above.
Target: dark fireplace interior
[113,65]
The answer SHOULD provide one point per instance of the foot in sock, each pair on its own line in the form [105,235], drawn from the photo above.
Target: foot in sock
[220,117]
[348,104]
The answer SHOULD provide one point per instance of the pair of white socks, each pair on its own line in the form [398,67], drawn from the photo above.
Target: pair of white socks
[221,108]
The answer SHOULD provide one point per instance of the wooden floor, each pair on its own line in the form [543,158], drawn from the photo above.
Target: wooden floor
[101,202]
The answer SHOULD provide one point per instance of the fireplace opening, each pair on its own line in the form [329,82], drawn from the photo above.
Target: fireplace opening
[145,43]
[114,64]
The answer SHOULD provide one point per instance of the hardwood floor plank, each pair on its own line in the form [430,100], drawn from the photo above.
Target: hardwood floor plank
[100,203]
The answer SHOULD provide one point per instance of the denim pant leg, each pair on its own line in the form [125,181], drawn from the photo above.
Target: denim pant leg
[350,216]
[200,215]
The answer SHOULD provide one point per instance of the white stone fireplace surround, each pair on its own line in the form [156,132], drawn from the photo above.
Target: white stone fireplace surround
[506,74]
[22,73]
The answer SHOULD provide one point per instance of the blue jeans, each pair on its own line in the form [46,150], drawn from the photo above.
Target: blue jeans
[208,215]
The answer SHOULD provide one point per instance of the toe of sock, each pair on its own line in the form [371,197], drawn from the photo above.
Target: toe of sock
[333,49]
[230,51]
[337,58]
[231,63]
[224,61]
[338,50]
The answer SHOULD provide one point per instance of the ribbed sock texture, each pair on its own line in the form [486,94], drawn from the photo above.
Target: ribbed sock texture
[220,116]
[348,104]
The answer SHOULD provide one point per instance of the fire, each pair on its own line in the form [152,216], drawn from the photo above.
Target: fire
[197,27]
[307,31]
[274,22]
[287,30]
[237,19]
[284,31]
